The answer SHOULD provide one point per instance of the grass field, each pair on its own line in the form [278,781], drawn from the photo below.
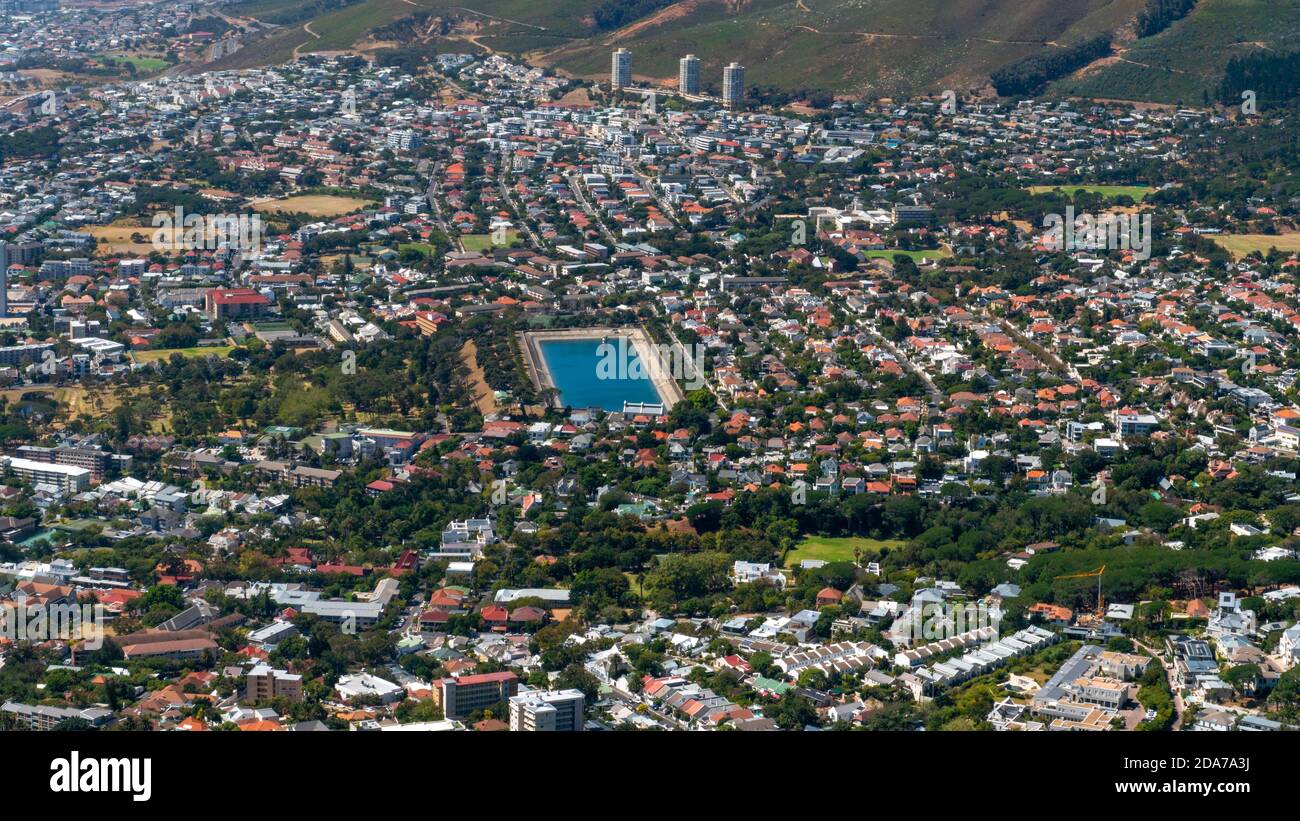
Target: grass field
[835,549]
[142,63]
[1239,245]
[316,205]
[484,398]
[427,249]
[76,401]
[189,353]
[1110,192]
[482,242]
[917,256]
[116,238]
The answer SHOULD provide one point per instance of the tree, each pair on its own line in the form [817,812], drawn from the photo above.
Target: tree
[792,712]
[1242,677]
[576,677]
[1285,698]
[678,577]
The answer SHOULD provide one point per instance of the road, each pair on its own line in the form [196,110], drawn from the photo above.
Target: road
[1047,358]
[708,383]
[520,216]
[633,702]
[576,184]
[435,201]
[502,19]
[664,205]
[457,87]
[1179,706]
[743,210]
[936,395]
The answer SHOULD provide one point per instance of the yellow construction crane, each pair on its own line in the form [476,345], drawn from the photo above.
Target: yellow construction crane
[1100,602]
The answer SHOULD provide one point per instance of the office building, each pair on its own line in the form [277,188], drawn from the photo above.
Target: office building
[540,711]
[461,696]
[688,74]
[733,86]
[620,74]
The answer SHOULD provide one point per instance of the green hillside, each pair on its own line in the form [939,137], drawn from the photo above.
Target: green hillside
[869,47]
[860,47]
[1186,61]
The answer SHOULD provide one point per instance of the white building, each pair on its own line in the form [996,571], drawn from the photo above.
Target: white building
[733,86]
[1288,646]
[66,478]
[748,572]
[620,73]
[356,685]
[539,711]
[688,74]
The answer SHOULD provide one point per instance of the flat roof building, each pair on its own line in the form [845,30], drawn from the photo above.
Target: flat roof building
[688,74]
[462,696]
[539,711]
[67,478]
[733,86]
[620,73]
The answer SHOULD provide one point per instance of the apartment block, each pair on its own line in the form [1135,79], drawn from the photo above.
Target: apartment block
[462,696]
[541,711]
[265,683]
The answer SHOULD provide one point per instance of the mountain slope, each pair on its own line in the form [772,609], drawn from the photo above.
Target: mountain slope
[869,47]
[1186,61]
[854,47]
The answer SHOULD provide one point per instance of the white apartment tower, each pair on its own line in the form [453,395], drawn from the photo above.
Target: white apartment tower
[620,74]
[733,85]
[688,74]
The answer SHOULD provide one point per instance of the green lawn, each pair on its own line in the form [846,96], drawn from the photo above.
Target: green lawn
[482,242]
[917,256]
[1137,192]
[1185,62]
[837,549]
[427,249]
[141,63]
[191,353]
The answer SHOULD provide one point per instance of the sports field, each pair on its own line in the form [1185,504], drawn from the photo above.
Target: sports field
[1137,192]
[837,549]
[316,205]
[917,256]
[1239,245]
[189,353]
